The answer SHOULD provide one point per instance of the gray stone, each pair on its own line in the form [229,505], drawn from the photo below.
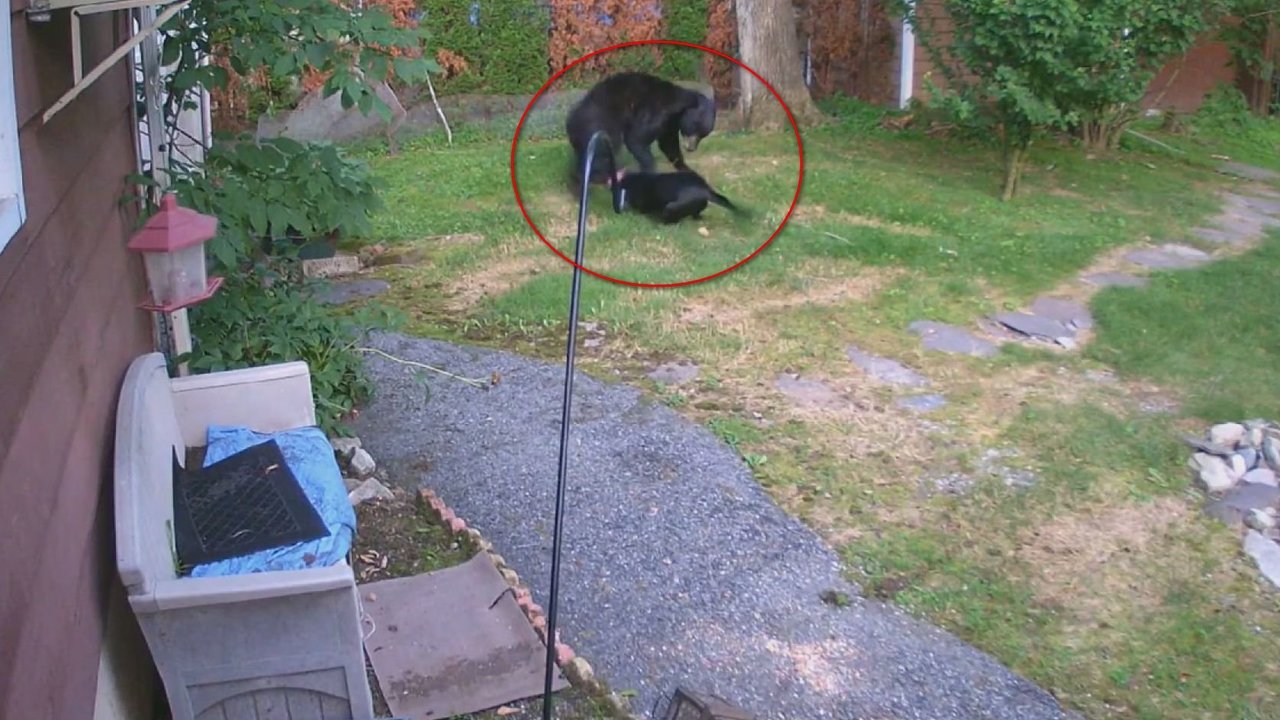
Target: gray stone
[1250,457]
[1035,326]
[1114,279]
[345,446]
[674,373]
[1168,257]
[1260,519]
[1266,206]
[1068,312]
[807,392]
[1219,236]
[317,117]
[1271,452]
[370,489]
[885,370]
[351,484]
[1232,507]
[1238,466]
[1248,172]
[340,293]
[1213,472]
[922,403]
[362,463]
[1206,446]
[1266,553]
[1262,476]
[951,339]
[1228,434]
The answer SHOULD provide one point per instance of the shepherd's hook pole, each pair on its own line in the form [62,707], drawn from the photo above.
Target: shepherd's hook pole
[553,605]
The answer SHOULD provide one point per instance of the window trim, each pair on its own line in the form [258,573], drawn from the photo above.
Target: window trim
[13,206]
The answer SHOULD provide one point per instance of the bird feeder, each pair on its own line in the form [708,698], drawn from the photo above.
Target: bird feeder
[686,705]
[172,247]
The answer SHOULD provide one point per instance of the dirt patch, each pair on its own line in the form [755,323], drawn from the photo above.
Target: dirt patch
[1085,560]
[398,538]
[495,278]
[812,213]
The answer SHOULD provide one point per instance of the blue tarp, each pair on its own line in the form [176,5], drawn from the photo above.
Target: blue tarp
[310,457]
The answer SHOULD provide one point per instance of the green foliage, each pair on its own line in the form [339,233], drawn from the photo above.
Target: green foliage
[505,51]
[686,22]
[354,46]
[253,321]
[271,192]
[1247,39]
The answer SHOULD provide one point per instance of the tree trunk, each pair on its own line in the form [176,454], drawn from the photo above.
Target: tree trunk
[767,42]
[1015,156]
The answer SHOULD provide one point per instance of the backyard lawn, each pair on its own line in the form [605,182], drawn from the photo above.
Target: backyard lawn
[1044,513]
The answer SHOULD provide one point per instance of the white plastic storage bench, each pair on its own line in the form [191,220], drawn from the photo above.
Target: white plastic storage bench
[282,644]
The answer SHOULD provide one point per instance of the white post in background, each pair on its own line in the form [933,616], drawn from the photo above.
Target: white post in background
[907,64]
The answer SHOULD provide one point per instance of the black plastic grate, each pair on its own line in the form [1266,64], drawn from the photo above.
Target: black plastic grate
[247,502]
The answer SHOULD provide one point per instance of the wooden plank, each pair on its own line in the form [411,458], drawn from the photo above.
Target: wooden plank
[83,244]
[272,704]
[304,705]
[56,486]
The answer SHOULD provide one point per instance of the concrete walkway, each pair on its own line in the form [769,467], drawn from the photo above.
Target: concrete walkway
[677,567]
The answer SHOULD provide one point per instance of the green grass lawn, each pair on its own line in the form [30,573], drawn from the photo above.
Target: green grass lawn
[1101,581]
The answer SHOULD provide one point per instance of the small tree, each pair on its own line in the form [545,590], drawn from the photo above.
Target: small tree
[1117,50]
[1012,64]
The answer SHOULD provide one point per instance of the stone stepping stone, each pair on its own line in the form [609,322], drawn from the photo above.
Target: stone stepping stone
[1266,206]
[1220,236]
[814,393]
[1248,172]
[1068,312]
[1037,327]
[885,370]
[1168,257]
[1114,279]
[675,373]
[951,339]
[921,403]
[345,291]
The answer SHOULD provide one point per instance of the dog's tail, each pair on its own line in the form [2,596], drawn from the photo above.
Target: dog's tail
[725,203]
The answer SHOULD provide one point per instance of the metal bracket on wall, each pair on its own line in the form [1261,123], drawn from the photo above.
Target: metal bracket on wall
[83,81]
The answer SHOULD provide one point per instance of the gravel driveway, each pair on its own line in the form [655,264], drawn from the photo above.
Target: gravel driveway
[677,567]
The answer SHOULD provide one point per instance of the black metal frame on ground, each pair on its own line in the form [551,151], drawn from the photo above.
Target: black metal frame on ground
[553,603]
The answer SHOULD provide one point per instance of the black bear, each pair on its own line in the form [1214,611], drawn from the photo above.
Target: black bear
[635,109]
[671,197]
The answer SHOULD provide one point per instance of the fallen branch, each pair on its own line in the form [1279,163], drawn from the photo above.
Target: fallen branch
[474,382]
[431,88]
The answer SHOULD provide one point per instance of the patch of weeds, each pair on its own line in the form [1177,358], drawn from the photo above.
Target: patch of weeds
[1203,332]
[408,536]
[735,432]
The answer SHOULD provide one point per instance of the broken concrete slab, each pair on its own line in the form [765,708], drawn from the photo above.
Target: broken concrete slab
[885,370]
[951,339]
[1035,326]
[1068,312]
[1114,279]
[1169,256]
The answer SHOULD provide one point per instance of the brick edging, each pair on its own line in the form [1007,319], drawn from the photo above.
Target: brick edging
[575,668]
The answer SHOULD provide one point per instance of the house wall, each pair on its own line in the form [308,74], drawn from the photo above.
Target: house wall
[68,329]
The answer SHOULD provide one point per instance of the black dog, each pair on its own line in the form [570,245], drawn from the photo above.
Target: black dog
[671,197]
[635,109]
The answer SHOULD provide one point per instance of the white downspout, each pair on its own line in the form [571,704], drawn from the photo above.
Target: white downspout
[907,66]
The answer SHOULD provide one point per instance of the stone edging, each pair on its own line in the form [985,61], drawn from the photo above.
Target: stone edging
[575,668]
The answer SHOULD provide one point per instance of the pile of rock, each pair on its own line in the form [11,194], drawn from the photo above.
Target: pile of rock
[1237,464]
[359,471]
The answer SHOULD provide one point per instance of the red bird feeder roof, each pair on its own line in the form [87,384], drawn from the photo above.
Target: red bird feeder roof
[173,228]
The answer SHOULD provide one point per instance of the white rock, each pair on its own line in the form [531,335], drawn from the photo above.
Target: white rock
[1226,434]
[1266,553]
[1262,476]
[350,483]
[1271,452]
[370,490]
[1213,472]
[362,463]
[1260,519]
[1238,466]
[346,447]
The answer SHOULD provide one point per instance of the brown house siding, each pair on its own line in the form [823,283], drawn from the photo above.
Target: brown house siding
[68,329]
